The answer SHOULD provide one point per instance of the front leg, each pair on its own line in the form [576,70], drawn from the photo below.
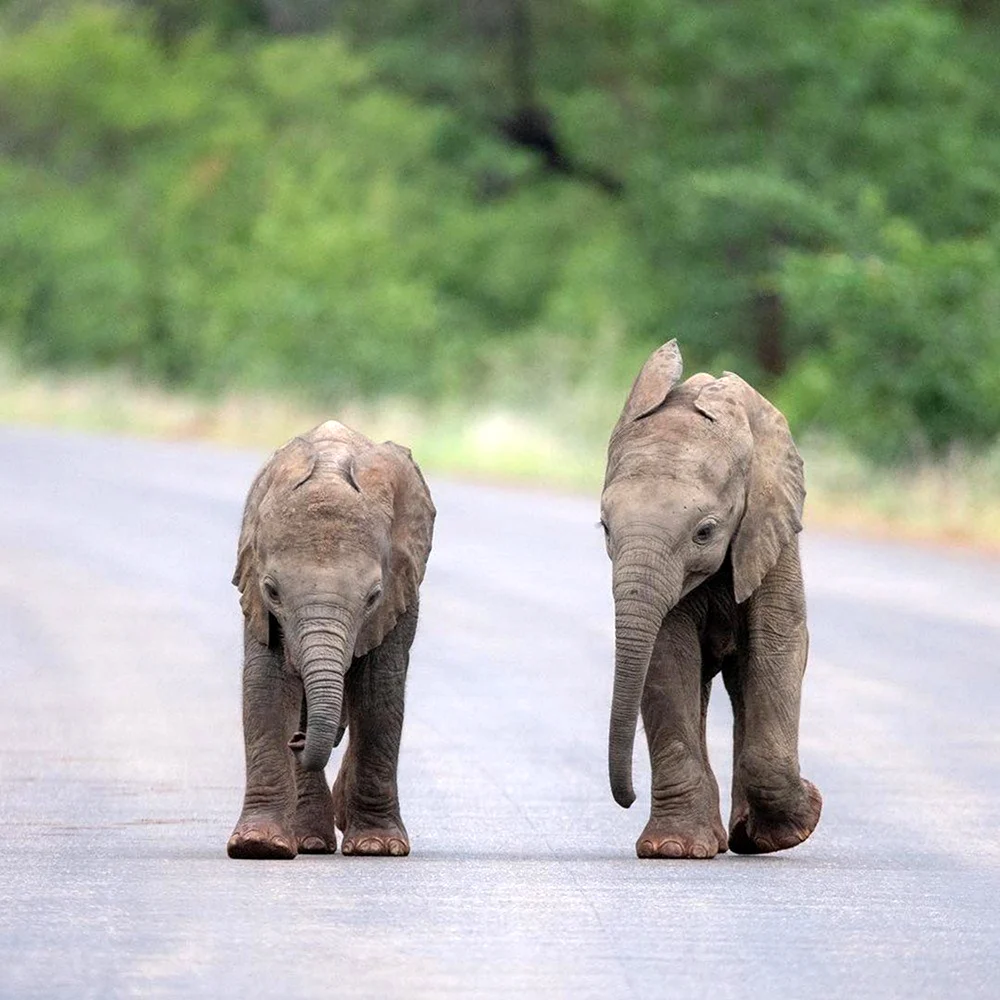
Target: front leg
[271,699]
[773,806]
[315,830]
[366,799]
[684,820]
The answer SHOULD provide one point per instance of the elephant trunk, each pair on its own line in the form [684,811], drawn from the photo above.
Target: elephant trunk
[324,652]
[645,589]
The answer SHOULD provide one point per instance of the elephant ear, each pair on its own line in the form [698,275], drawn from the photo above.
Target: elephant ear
[661,372]
[287,469]
[392,477]
[775,482]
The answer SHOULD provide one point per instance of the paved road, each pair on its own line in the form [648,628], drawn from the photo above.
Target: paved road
[121,768]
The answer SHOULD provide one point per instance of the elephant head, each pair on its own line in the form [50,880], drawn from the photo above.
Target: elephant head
[696,471]
[335,538]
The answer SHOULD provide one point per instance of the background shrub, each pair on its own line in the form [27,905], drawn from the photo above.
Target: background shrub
[802,191]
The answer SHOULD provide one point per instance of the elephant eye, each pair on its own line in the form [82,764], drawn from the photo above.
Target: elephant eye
[705,532]
[270,591]
[373,598]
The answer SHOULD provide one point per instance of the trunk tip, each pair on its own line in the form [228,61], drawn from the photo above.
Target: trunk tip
[622,790]
[620,771]
[624,798]
[312,759]
[313,763]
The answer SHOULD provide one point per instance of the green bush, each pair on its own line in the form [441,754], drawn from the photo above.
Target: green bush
[909,360]
[808,196]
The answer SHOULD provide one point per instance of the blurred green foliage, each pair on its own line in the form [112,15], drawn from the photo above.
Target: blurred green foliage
[810,196]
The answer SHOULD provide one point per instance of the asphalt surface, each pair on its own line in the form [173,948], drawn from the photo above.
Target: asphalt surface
[121,768]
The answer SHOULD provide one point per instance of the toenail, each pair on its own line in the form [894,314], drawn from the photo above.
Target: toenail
[699,852]
[671,849]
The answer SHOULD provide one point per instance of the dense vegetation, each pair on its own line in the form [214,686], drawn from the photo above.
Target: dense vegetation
[448,200]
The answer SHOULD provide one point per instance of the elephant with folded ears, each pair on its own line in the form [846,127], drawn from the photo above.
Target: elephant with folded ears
[335,538]
[701,511]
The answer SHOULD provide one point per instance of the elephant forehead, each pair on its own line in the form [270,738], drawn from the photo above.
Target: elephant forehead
[323,519]
[685,446]
[658,499]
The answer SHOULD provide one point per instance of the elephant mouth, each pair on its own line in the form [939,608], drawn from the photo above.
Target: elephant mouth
[693,582]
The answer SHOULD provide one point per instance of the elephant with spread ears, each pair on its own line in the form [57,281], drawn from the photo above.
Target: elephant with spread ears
[701,510]
[335,538]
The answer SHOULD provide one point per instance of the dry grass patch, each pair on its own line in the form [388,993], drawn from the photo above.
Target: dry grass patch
[956,500]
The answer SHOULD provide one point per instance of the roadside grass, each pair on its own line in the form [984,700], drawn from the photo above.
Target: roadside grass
[494,443]
[955,500]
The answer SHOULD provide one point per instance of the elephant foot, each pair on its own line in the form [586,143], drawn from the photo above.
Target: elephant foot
[367,833]
[671,838]
[315,826]
[312,843]
[262,839]
[389,841]
[315,835]
[761,828]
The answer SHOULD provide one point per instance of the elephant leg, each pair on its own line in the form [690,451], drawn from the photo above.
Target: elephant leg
[315,829]
[773,806]
[706,695]
[271,699]
[684,820]
[366,799]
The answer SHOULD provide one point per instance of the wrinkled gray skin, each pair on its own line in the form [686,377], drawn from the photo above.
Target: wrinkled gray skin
[701,508]
[335,539]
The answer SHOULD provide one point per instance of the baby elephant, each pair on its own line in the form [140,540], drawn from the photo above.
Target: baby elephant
[335,538]
[701,509]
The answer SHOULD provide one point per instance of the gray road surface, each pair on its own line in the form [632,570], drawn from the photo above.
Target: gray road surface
[121,768]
